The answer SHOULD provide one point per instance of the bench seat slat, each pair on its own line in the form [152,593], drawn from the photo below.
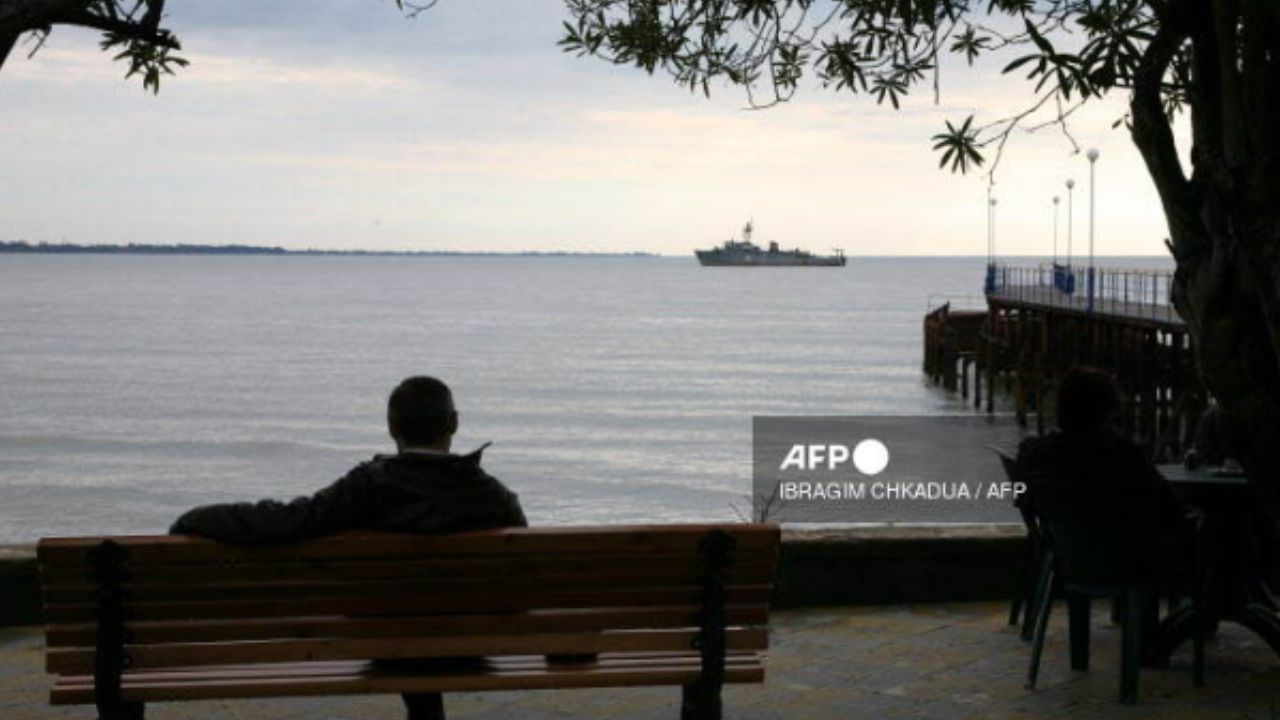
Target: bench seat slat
[271,651]
[388,604]
[347,667]
[233,588]
[362,678]
[566,620]
[511,542]
[79,575]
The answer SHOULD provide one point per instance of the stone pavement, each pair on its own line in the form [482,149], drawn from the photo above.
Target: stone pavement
[949,662]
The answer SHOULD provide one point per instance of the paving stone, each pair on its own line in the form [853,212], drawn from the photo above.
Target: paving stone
[943,662]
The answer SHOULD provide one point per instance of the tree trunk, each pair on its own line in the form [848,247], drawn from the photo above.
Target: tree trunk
[1218,297]
[1224,220]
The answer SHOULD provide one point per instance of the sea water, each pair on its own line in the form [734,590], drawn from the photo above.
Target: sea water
[613,389]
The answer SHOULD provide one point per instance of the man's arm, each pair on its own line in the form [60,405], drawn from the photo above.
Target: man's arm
[517,511]
[341,506]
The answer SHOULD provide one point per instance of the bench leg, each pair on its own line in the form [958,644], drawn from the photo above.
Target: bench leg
[425,706]
[1079,611]
[701,702]
[121,711]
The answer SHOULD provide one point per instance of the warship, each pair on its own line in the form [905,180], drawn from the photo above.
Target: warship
[744,253]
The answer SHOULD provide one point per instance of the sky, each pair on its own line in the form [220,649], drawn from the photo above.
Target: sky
[340,124]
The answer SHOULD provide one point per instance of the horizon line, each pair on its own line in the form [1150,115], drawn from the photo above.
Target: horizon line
[25,247]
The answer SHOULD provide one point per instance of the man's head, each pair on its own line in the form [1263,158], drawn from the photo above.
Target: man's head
[1087,397]
[420,414]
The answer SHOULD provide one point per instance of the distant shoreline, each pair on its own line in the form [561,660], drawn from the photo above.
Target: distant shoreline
[139,249]
[27,248]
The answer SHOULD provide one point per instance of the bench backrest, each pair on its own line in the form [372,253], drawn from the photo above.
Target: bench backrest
[166,602]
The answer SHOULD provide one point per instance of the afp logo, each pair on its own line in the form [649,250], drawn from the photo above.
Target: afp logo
[869,457]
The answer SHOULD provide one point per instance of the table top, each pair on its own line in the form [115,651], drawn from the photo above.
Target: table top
[1205,475]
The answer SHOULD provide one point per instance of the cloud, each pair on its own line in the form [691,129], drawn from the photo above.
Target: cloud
[338,123]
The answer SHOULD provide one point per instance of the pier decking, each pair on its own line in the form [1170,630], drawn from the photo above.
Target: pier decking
[926,662]
[1139,296]
[1041,321]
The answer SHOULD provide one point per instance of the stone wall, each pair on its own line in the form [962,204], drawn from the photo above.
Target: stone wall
[847,567]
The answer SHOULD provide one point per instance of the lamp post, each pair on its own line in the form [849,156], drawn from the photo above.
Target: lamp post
[1071,188]
[1069,274]
[989,285]
[1055,230]
[993,230]
[987,207]
[1093,167]
[1056,274]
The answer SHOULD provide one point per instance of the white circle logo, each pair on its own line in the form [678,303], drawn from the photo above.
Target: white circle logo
[870,456]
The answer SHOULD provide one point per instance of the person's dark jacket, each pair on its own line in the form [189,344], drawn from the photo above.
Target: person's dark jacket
[1094,477]
[413,492]
[1102,479]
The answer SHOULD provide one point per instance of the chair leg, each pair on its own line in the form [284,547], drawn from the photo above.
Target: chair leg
[1078,608]
[1043,607]
[1200,610]
[1026,601]
[1131,646]
[1197,650]
[1042,588]
[1200,628]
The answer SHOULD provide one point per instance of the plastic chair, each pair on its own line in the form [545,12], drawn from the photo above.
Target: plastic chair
[1023,607]
[1083,562]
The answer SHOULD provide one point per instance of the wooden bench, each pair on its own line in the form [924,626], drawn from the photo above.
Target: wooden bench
[133,620]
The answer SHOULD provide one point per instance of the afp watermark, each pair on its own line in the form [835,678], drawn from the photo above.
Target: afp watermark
[877,469]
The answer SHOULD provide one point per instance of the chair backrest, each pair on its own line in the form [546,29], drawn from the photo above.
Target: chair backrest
[1089,530]
[1029,519]
[181,602]
[1089,553]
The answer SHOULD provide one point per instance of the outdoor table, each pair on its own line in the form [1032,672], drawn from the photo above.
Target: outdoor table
[1237,591]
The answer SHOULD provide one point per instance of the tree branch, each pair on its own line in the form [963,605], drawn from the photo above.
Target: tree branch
[1153,135]
[7,41]
[1235,145]
[18,17]
[146,29]
[22,16]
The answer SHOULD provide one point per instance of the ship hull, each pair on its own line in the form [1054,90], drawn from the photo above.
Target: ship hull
[717,258]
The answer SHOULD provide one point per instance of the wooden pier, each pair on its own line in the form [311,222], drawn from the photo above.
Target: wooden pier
[1040,322]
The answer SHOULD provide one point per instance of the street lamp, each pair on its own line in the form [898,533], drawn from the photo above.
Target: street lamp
[1071,187]
[993,229]
[989,282]
[1055,230]
[1093,166]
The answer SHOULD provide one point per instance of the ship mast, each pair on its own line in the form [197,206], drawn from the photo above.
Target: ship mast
[746,232]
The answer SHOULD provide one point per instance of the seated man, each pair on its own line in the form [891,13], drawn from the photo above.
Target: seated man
[1086,474]
[423,488]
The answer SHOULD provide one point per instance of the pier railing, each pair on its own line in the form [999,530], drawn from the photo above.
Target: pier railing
[1133,293]
[956,301]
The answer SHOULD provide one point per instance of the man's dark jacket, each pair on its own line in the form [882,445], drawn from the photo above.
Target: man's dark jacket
[413,492]
[1094,477]
[1100,478]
